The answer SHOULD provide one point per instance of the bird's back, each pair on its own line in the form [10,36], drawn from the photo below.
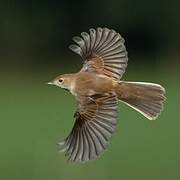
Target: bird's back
[87,84]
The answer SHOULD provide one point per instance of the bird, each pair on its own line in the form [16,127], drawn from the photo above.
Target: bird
[98,89]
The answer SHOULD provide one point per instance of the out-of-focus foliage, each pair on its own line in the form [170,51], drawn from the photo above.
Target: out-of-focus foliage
[35,116]
[31,28]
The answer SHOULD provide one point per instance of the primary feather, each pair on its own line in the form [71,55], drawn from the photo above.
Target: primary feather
[103,51]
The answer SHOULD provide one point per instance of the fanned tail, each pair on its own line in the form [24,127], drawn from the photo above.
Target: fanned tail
[146,98]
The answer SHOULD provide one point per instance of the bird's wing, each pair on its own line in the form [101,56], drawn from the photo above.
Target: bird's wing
[96,119]
[103,51]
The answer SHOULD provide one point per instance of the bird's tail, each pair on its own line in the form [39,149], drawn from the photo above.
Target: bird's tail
[146,98]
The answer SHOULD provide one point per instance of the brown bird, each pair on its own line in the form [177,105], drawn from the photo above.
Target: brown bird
[97,88]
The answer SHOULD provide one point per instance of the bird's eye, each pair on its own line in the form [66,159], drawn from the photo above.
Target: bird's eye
[60,80]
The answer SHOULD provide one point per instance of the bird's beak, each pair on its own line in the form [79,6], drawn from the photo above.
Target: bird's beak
[50,83]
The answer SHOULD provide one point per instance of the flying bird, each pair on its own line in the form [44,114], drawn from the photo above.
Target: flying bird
[98,88]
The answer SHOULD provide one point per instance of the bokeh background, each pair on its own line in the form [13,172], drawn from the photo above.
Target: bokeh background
[34,36]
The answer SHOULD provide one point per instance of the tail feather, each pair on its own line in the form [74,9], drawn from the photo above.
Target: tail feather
[146,98]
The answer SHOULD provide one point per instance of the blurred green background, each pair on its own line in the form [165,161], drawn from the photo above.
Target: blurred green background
[34,36]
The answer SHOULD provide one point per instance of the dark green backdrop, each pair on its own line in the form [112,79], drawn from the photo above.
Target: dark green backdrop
[34,36]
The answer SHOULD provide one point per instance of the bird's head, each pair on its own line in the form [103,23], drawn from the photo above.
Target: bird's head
[62,81]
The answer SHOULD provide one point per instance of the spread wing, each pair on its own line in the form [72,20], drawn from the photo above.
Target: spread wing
[96,119]
[103,51]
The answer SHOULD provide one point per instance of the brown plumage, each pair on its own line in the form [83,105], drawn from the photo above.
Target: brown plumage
[97,89]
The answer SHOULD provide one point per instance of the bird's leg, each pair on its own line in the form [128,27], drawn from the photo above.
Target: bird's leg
[76,114]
